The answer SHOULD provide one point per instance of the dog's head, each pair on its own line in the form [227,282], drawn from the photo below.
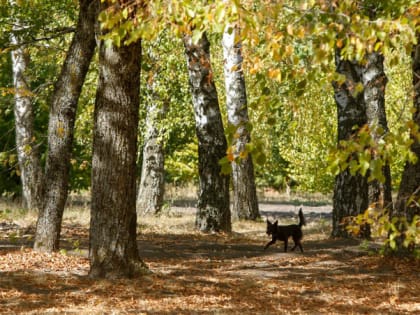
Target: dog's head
[271,227]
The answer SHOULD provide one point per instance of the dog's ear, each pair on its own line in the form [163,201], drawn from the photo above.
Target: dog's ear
[277,222]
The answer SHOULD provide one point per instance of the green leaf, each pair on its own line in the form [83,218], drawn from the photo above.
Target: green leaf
[196,36]
[392,244]
[226,166]
[265,91]
[271,121]
[354,166]
[260,158]
[125,13]
[103,16]
[301,84]
[377,170]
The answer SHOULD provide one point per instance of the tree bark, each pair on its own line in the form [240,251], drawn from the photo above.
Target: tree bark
[113,249]
[374,81]
[26,146]
[152,180]
[350,191]
[213,213]
[408,199]
[245,202]
[61,127]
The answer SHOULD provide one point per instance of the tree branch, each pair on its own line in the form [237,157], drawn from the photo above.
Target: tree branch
[56,33]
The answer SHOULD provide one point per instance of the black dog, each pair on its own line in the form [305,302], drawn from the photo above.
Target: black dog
[283,232]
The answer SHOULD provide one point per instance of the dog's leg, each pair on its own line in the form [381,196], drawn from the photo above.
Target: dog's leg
[297,243]
[270,243]
[285,245]
[300,246]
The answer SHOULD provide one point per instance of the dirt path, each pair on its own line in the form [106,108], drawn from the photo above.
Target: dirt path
[270,210]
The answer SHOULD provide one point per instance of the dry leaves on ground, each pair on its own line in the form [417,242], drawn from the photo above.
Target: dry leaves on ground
[194,273]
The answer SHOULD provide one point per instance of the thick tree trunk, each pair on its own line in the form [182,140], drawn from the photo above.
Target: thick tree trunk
[152,180]
[61,127]
[350,191]
[245,202]
[408,200]
[213,212]
[26,146]
[374,81]
[113,249]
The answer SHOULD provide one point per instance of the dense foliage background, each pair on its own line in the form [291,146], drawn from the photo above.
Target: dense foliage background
[288,73]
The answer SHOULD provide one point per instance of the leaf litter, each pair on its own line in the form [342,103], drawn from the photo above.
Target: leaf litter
[194,273]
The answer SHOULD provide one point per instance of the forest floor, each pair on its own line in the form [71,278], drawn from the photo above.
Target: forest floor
[195,273]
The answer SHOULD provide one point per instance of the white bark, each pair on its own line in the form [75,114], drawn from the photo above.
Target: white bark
[152,180]
[350,191]
[29,163]
[374,82]
[245,203]
[213,213]
[409,191]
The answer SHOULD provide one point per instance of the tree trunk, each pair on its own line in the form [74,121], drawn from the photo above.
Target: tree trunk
[245,202]
[113,249]
[61,127]
[152,180]
[374,81]
[408,200]
[27,149]
[213,212]
[350,191]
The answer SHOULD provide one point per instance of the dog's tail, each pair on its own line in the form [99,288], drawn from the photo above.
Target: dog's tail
[301,218]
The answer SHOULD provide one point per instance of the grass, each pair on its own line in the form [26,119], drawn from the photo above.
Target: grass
[177,215]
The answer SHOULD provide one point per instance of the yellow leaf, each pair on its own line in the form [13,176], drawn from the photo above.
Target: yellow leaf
[125,13]
[230,157]
[290,29]
[274,74]
[229,154]
[243,154]
[301,32]
[253,70]
[289,50]
[60,131]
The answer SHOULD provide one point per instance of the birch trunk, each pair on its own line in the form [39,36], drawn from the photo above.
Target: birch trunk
[113,249]
[26,146]
[350,191]
[61,127]
[374,82]
[245,202]
[152,180]
[213,213]
[410,182]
